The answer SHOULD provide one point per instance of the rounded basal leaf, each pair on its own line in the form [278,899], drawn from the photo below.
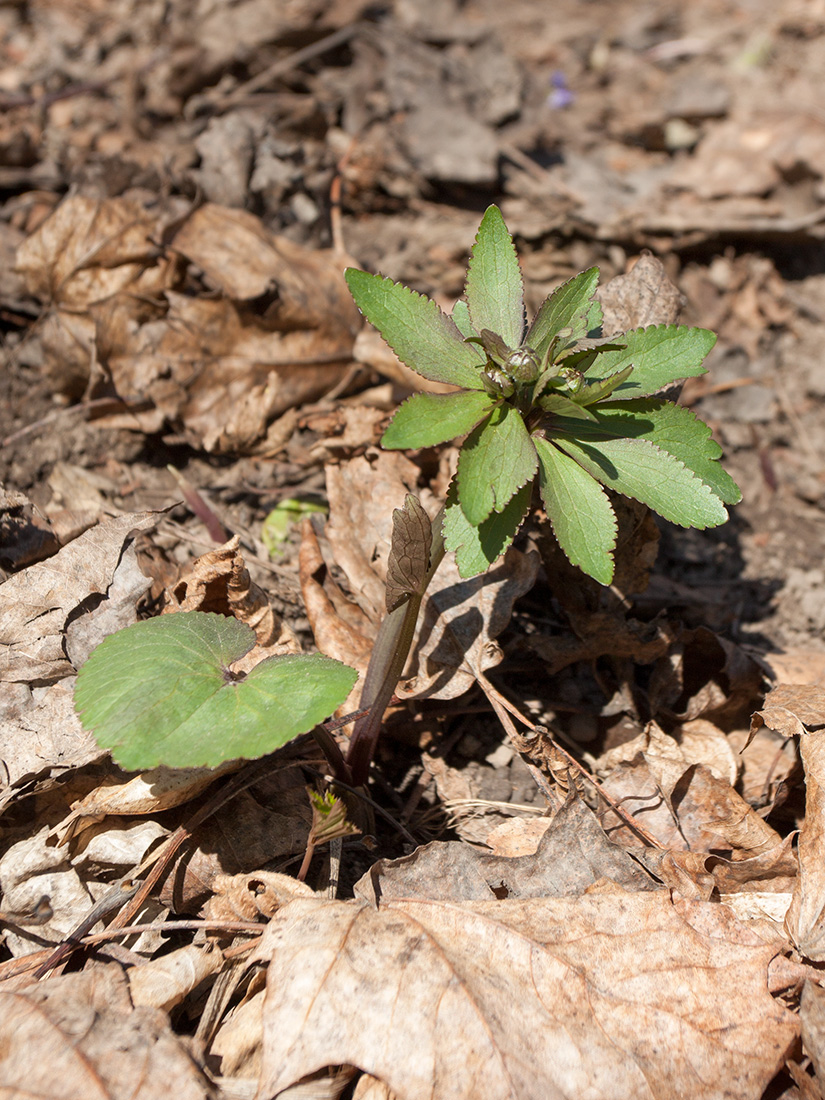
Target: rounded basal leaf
[161,692]
[426,419]
[579,512]
[419,333]
[494,290]
[497,459]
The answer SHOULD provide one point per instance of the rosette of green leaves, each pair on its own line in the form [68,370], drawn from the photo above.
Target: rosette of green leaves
[555,400]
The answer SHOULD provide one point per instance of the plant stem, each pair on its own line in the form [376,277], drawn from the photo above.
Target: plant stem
[389,656]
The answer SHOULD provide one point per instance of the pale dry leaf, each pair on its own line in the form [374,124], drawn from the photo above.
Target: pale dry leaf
[254,895]
[460,622]
[238,1040]
[519,836]
[812,1017]
[41,735]
[644,296]
[164,982]
[147,793]
[604,995]
[78,1035]
[805,921]
[36,605]
[34,868]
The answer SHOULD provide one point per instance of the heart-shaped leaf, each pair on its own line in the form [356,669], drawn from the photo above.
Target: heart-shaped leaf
[161,692]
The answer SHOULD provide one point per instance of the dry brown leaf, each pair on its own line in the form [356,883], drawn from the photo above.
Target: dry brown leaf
[243,260]
[251,896]
[805,921]
[78,1035]
[604,995]
[812,1018]
[362,496]
[460,622]
[572,854]
[40,735]
[218,369]
[89,250]
[680,801]
[148,793]
[644,296]
[26,536]
[333,635]
[164,982]
[36,605]
[791,710]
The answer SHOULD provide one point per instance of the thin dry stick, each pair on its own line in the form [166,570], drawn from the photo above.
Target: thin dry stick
[504,704]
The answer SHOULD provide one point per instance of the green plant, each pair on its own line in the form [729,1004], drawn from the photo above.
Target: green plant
[556,400]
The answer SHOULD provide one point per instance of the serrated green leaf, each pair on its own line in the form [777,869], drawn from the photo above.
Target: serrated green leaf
[461,319]
[426,419]
[639,469]
[601,388]
[593,320]
[419,333]
[678,431]
[497,458]
[561,405]
[476,548]
[569,306]
[659,355]
[160,692]
[579,511]
[494,290]
[409,560]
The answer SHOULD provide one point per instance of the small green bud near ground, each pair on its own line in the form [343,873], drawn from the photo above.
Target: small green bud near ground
[557,401]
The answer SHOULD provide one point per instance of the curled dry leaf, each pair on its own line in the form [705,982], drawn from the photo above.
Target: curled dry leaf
[805,921]
[251,896]
[79,1035]
[644,296]
[89,250]
[148,793]
[219,581]
[791,710]
[164,982]
[604,995]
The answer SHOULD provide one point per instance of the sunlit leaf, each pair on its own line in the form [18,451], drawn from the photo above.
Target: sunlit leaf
[497,458]
[659,355]
[579,511]
[568,307]
[423,337]
[477,547]
[638,469]
[161,692]
[426,419]
[494,290]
